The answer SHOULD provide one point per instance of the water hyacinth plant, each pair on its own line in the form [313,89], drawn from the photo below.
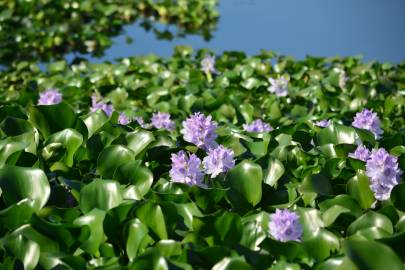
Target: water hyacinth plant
[200,130]
[279,86]
[361,153]
[322,123]
[162,120]
[367,119]
[50,97]
[98,104]
[186,168]
[383,172]
[285,226]
[223,189]
[257,126]
[218,160]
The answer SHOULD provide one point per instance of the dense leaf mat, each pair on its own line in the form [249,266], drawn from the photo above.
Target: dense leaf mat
[43,29]
[81,191]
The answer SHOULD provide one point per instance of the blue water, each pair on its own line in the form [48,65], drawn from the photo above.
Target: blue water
[371,28]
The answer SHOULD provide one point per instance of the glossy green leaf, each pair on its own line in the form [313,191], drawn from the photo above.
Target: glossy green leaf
[139,140]
[139,176]
[49,119]
[69,139]
[151,215]
[274,172]
[359,188]
[232,263]
[94,121]
[101,194]
[398,196]
[370,220]
[113,157]
[371,255]
[137,233]
[245,180]
[94,220]
[27,251]
[18,183]
[337,134]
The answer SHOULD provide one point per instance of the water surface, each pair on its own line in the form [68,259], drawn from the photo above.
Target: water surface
[372,28]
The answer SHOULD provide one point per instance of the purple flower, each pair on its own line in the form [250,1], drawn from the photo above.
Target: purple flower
[200,130]
[50,97]
[285,226]
[323,123]
[208,64]
[367,119]
[162,120]
[186,169]
[361,153]
[97,104]
[383,172]
[141,122]
[257,126]
[218,160]
[123,119]
[279,86]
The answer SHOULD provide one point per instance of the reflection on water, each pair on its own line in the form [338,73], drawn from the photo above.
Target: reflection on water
[371,28]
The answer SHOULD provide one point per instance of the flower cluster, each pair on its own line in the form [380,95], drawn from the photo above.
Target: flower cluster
[361,153]
[50,97]
[200,130]
[141,122]
[383,172]
[123,119]
[285,226]
[367,119]
[208,64]
[162,120]
[218,160]
[186,169]
[257,126]
[279,86]
[98,104]
[323,123]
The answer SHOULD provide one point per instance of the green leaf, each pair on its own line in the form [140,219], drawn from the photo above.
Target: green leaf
[17,214]
[111,158]
[25,250]
[371,255]
[321,244]
[49,119]
[137,233]
[101,194]
[18,183]
[94,220]
[337,134]
[138,141]
[8,147]
[169,248]
[370,220]
[140,177]
[232,263]
[274,172]
[359,188]
[151,215]
[151,259]
[398,196]
[245,180]
[70,139]
[337,264]
[94,121]
[341,204]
